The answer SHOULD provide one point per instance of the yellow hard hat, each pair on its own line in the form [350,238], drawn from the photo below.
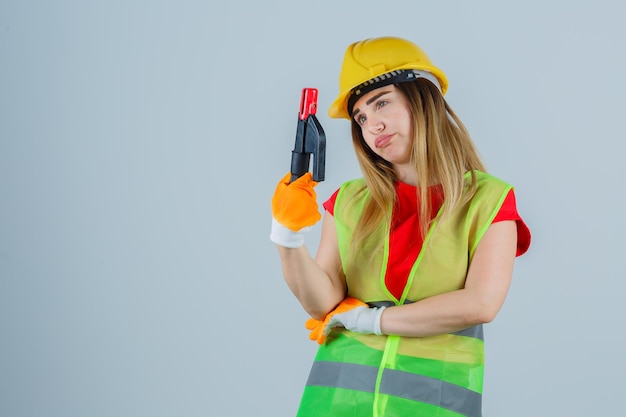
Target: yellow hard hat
[376,62]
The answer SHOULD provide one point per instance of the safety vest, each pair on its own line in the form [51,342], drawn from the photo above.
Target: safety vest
[386,376]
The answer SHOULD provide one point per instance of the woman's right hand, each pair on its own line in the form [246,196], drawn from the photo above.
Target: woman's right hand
[294,210]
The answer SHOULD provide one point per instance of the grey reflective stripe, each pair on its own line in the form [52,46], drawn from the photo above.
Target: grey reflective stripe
[431,391]
[397,383]
[343,375]
[475,331]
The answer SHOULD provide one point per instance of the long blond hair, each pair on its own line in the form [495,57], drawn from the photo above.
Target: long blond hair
[442,153]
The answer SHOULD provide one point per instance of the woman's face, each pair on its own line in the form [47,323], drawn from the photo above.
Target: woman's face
[385,120]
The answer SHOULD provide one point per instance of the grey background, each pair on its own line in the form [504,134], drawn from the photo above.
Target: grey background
[140,143]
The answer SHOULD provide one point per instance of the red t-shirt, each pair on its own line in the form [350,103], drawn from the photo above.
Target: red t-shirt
[405,244]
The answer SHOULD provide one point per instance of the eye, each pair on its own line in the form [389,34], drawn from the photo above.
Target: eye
[381,103]
[360,119]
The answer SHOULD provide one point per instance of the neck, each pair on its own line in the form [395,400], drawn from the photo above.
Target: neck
[406,174]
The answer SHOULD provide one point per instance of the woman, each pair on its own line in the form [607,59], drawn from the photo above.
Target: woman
[413,258]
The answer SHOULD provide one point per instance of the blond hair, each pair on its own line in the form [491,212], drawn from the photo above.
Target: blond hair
[442,153]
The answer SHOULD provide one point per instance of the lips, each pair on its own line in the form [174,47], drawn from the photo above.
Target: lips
[382,141]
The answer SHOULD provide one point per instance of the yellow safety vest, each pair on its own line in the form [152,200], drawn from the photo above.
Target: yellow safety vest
[383,376]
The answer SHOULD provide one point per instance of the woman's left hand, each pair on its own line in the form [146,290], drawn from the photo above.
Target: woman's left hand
[362,319]
[321,328]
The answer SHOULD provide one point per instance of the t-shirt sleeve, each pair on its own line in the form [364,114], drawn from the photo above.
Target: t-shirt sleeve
[329,205]
[508,211]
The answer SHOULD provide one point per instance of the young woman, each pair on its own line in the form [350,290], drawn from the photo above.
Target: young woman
[414,257]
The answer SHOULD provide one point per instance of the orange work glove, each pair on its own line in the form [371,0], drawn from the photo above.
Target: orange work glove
[294,210]
[318,327]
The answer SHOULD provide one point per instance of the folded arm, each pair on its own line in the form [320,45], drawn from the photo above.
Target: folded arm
[486,286]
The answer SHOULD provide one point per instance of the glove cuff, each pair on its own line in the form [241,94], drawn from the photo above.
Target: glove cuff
[283,236]
[379,314]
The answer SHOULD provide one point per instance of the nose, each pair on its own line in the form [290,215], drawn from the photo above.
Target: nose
[376,125]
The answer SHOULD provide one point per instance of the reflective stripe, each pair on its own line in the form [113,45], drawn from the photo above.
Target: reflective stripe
[475,331]
[431,391]
[397,383]
[343,375]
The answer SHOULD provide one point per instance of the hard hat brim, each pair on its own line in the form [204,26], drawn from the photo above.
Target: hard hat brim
[339,108]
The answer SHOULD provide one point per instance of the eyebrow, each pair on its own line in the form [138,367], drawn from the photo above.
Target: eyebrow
[370,101]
